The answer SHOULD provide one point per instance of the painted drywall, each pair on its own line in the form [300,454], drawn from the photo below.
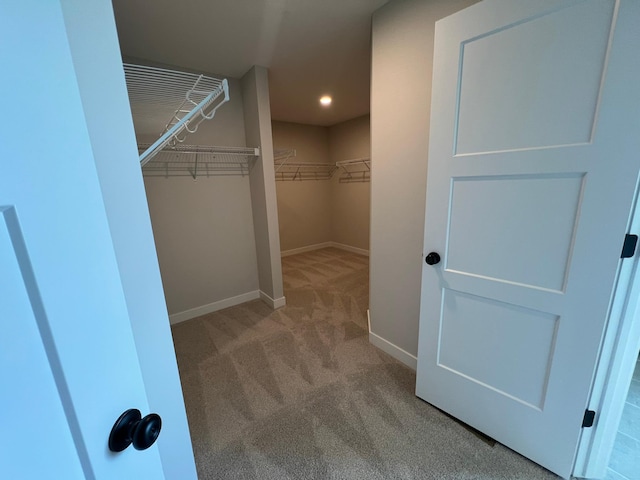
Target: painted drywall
[304,207]
[257,120]
[204,237]
[203,228]
[350,202]
[402,61]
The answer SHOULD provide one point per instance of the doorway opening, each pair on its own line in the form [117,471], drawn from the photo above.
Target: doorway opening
[322,185]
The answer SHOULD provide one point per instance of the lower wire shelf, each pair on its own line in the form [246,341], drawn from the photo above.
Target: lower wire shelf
[287,169]
[355,170]
[199,161]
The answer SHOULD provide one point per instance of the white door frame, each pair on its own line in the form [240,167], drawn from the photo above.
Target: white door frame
[618,356]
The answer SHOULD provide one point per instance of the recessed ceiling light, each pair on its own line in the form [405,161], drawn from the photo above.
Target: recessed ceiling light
[325,101]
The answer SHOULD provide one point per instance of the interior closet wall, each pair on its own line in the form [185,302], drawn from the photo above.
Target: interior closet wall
[350,202]
[402,63]
[257,124]
[304,207]
[314,212]
[203,228]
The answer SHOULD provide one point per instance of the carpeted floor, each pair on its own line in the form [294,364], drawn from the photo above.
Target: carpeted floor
[299,393]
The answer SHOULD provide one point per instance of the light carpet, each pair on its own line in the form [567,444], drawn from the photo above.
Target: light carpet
[299,393]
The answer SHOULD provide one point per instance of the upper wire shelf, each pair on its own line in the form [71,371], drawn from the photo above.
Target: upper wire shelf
[287,169]
[172,103]
[199,161]
[355,170]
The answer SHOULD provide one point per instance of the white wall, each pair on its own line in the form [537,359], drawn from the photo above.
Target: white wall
[350,202]
[402,58]
[304,207]
[203,228]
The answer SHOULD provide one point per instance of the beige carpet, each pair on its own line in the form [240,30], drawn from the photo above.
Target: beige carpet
[299,393]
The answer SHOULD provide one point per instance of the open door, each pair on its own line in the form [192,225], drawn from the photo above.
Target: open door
[533,165]
[70,360]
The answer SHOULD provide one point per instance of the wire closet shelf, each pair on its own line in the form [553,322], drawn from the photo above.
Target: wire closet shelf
[286,168]
[356,170]
[180,101]
[199,161]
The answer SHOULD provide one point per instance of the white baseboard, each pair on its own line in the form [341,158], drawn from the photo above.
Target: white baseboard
[349,248]
[277,303]
[318,246]
[308,248]
[213,307]
[396,352]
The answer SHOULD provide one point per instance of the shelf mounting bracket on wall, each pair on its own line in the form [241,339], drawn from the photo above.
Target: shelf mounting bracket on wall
[185,99]
[286,169]
[355,170]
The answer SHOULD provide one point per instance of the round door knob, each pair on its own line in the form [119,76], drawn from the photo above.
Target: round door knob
[432,258]
[131,428]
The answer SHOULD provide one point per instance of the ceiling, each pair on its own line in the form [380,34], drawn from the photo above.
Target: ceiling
[311,47]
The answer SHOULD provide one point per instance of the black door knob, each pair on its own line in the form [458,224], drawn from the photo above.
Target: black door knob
[132,428]
[432,258]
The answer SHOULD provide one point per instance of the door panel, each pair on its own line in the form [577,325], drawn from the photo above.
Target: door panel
[67,306]
[24,366]
[541,212]
[476,350]
[532,171]
[536,61]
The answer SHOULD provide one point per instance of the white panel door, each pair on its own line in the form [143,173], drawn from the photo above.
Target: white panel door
[68,361]
[533,163]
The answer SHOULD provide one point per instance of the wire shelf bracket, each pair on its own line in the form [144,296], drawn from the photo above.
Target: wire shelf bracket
[186,99]
[355,170]
[281,156]
[286,169]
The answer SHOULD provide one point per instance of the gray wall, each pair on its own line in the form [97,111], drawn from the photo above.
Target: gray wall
[313,212]
[350,202]
[402,60]
[257,120]
[304,207]
[203,228]
[204,236]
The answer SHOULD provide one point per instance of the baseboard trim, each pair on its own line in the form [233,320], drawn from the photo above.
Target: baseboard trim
[308,248]
[275,304]
[213,307]
[386,346]
[318,246]
[349,248]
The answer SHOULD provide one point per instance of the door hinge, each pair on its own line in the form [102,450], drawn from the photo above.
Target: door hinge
[629,246]
[589,417]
